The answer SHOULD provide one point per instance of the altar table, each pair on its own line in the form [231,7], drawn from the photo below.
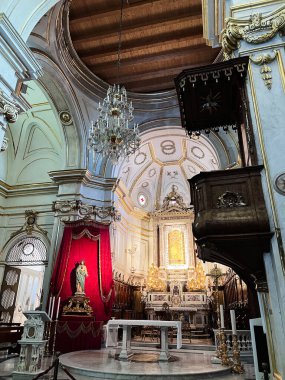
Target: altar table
[126,353]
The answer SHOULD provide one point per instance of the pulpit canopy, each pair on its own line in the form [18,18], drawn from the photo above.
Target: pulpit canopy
[210,96]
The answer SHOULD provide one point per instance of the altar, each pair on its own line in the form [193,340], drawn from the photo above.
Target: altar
[126,353]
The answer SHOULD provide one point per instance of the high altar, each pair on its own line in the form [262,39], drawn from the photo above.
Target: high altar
[177,283]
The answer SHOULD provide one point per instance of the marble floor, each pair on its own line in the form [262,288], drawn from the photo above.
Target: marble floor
[85,365]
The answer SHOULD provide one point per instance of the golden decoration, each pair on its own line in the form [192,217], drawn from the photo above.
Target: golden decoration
[237,366]
[30,224]
[176,248]
[251,30]
[153,282]
[265,71]
[198,282]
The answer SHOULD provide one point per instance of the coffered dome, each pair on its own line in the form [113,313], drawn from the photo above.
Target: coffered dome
[166,158]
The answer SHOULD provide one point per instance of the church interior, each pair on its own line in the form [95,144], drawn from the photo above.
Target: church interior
[142,186]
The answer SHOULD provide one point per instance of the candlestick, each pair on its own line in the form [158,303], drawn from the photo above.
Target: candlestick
[222,316]
[57,311]
[226,361]
[233,322]
[52,306]
[49,306]
[237,366]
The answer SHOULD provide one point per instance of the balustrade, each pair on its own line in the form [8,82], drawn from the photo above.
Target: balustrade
[243,337]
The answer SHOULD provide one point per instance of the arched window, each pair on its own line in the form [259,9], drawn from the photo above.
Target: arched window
[27,251]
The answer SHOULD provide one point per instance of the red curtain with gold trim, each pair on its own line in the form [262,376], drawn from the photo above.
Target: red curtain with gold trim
[88,241]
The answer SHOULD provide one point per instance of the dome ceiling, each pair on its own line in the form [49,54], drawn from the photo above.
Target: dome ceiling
[166,157]
[160,38]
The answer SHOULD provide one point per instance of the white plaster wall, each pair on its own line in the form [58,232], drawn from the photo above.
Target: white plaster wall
[25,14]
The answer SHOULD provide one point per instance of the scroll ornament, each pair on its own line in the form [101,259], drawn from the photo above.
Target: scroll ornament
[86,211]
[255,30]
[8,109]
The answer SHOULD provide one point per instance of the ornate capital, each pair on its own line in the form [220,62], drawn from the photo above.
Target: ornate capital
[255,30]
[9,109]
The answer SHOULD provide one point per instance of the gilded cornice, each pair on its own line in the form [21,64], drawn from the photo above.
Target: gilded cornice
[256,29]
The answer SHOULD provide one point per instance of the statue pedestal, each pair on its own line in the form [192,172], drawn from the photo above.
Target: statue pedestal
[78,305]
[32,346]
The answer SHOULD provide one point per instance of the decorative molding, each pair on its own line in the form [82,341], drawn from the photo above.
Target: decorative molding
[74,209]
[30,224]
[255,30]
[279,183]
[265,70]
[4,145]
[8,108]
[230,199]
[65,117]
[172,203]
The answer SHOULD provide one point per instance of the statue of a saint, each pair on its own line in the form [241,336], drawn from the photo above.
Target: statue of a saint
[81,274]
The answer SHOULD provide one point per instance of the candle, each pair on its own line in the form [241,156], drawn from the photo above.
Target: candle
[52,306]
[222,316]
[49,306]
[57,311]
[233,322]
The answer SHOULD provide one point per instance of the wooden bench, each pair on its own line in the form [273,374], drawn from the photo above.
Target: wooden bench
[10,333]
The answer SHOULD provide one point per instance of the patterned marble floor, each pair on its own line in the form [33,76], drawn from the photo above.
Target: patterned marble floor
[101,366]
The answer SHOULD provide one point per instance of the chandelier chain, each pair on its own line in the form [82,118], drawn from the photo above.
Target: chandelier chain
[120,42]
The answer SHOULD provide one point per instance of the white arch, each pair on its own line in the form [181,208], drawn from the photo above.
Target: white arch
[25,14]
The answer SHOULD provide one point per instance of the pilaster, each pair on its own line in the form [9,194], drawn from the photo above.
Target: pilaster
[257,29]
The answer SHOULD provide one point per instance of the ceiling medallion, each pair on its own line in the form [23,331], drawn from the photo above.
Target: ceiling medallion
[65,117]
[192,169]
[142,199]
[141,160]
[197,152]
[280,183]
[168,147]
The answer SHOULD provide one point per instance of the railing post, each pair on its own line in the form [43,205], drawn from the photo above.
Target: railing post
[56,365]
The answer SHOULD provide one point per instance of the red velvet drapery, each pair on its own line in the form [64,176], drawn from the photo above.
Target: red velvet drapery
[88,241]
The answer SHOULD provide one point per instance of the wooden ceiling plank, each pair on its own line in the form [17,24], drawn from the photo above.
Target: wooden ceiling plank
[175,52]
[166,71]
[139,44]
[112,31]
[80,17]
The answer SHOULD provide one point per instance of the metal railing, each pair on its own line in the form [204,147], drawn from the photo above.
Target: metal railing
[55,367]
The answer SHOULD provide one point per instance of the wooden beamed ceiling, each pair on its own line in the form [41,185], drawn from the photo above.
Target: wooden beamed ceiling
[160,38]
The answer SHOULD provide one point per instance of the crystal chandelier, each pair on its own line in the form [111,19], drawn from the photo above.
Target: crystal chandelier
[112,134]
